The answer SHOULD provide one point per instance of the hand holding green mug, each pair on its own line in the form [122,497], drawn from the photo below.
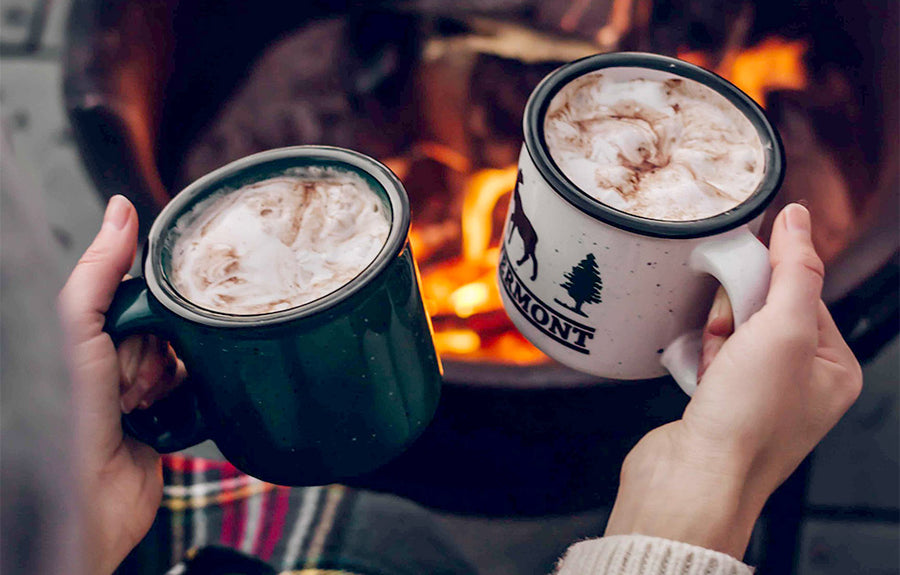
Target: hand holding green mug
[293,394]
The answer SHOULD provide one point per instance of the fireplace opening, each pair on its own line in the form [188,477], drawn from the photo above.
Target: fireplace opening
[436,90]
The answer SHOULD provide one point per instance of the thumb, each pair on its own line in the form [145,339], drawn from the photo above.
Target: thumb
[91,286]
[797,271]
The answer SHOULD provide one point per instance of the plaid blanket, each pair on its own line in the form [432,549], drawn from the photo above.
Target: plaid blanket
[216,520]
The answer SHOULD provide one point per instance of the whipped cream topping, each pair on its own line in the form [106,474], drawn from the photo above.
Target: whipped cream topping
[278,243]
[666,149]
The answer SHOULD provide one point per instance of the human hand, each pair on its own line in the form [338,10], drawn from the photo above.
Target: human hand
[768,394]
[120,478]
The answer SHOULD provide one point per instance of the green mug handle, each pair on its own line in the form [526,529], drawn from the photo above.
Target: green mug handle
[174,422]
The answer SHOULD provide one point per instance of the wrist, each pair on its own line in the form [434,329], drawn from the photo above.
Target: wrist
[664,494]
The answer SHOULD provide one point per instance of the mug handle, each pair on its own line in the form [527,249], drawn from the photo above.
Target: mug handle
[174,422]
[741,264]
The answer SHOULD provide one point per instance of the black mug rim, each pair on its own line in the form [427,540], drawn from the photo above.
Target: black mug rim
[168,296]
[746,211]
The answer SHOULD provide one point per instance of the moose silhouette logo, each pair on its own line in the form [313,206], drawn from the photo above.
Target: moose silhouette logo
[583,284]
[523,299]
[518,221]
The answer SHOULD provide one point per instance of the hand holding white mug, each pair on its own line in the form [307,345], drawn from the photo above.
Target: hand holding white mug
[769,393]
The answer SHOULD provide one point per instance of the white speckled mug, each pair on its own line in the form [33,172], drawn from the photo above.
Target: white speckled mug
[614,294]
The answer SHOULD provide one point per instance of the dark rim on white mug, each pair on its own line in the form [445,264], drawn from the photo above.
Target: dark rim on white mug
[536,145]
[255,168]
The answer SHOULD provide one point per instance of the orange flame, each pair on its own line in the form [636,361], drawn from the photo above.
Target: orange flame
[461,294]
[773,64]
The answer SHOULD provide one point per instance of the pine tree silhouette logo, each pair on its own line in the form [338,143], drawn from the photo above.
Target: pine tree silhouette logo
[583,284]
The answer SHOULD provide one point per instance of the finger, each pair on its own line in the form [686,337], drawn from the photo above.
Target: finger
[154,368]
[797,271]
[129,353]
[719,325]
[720,322]
[179,375]
[90,288]
[91,355]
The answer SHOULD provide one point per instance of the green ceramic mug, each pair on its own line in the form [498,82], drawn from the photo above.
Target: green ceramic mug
[304,396]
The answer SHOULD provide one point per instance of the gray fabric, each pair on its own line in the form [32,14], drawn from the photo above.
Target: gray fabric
[37,503]
[384,534]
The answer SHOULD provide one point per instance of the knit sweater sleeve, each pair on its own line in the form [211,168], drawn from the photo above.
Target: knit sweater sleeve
[643,555]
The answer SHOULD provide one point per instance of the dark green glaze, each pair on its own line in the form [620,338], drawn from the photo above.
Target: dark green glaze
[297,397]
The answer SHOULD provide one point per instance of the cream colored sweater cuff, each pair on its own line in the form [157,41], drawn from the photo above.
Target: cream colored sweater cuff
[643,555]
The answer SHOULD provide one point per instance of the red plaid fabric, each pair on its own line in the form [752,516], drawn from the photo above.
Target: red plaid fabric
[212,503]
[215,520]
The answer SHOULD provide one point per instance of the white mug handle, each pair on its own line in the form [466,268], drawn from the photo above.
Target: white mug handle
[741,264]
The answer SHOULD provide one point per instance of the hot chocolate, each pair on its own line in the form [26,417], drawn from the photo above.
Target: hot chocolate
[664,148]
[278,243]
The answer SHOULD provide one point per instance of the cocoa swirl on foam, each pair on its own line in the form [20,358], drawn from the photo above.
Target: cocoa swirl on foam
[278,243]
[667,149]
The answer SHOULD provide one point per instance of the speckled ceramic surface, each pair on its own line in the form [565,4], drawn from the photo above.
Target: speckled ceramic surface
[606,292]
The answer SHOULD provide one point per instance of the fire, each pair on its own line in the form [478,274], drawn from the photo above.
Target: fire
[773,64]
[461,293]
[457,341]
[483,190]
[466,300]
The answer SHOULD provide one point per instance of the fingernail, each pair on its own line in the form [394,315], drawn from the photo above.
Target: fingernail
[797,218]
[144,404]
[124,406]
[116,212]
